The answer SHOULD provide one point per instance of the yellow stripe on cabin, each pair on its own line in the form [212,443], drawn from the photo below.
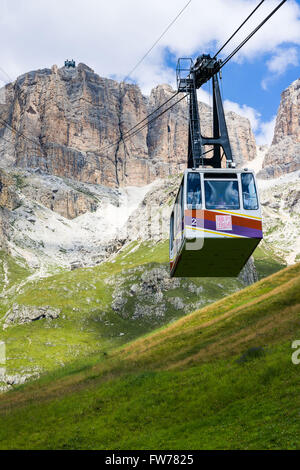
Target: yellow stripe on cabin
[215,232]
[235,213]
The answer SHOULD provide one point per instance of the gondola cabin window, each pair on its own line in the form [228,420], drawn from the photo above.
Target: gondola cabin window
[215,223]
[250,200]
[178,215]
[220,194]
[172,232]
[194,199]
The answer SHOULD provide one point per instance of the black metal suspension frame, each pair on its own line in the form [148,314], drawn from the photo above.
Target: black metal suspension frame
[204,69]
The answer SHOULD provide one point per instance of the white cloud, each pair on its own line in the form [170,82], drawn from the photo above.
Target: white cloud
[204,96]
[279,62]
[265,132]
[244,110]
[282,59]
[265,82]
[112,36]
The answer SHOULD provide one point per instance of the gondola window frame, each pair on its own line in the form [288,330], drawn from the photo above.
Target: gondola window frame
[256,193]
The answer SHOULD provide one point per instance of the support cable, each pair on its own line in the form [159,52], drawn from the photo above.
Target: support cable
[251,34]
[237,30]
[140,122]
[146,124]
[157,41]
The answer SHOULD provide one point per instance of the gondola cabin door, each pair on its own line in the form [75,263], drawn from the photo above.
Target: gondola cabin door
[215,223]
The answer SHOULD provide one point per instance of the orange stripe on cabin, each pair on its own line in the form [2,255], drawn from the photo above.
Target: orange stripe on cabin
[236,220]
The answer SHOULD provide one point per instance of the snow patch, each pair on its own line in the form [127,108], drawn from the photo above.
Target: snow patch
[257,162]
[43,237]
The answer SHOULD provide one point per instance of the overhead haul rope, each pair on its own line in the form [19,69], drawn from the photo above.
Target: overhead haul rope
[147,123]
[222,65]
[123,138]
[237,30]
[13,129]
[157,41]
[140,122]
[251,34]
[18,133]
[5,73]
[128,135]
[156,117]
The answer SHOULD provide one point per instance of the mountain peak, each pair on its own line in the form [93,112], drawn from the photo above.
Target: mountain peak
[74,121]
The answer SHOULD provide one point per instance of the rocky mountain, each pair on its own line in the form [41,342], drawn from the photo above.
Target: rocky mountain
[48,238]
[280,199]
[284,154]
[76,123]
[66,198]
[76,194]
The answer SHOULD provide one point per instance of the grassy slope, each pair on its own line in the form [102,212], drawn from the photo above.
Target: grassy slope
[87,323]
[16,271]
[267,261]
[194,384]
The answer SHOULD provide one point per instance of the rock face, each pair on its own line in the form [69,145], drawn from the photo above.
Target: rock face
[152,295]
[19,314]
[75,124]
[242,140]
[67,198]
[248,274]
[280,201]
[284,154]
[8,381]
[9,201]
[287,122]
[8,197]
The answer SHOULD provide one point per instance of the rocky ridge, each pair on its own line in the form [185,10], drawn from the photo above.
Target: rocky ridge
[284,154]
[77,122]
[120,216]
[20,314]
[280,199]
[55,211]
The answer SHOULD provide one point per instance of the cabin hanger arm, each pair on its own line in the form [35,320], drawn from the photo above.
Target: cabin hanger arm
[204,69]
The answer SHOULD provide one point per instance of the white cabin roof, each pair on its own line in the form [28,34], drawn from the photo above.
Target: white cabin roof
[218,170]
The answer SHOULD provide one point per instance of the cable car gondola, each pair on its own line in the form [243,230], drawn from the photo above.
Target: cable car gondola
[215,223]
[216,220]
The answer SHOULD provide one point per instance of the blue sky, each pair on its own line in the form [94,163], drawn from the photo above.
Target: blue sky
[255,83]
[111,37]
[244,83]
[251,84]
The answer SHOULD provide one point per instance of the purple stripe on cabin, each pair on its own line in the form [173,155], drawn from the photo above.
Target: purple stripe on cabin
[211,225]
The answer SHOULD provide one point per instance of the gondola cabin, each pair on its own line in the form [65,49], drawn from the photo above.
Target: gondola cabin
[215,224]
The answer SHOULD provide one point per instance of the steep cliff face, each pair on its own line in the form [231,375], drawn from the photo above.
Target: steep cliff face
[69,116]
[9,201]
[284,154]
[8,197]
[76,122]
[168,138]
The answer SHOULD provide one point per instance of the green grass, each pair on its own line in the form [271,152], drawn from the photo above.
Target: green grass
[266,261]
[12,272]
[16,267]
[183,386]
[19,181]
[87,322]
